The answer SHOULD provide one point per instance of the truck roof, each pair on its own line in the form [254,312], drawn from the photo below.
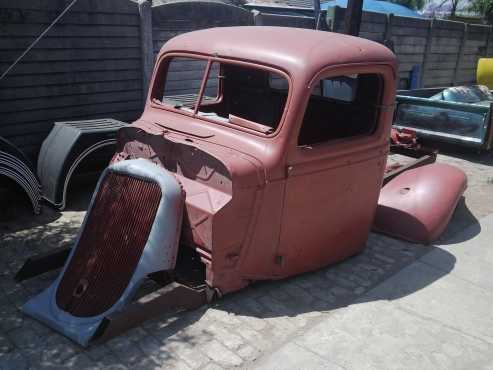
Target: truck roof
[294,50]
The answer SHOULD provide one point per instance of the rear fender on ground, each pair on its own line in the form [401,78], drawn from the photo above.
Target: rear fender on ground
[418,204]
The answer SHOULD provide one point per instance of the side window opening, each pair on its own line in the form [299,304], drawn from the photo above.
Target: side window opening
[342,107]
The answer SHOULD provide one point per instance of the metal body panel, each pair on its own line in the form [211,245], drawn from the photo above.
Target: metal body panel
[159,254]
[8,147]
[67,145]
[418,204]
[238,190]
[328,211]
[459,123]
[17,167]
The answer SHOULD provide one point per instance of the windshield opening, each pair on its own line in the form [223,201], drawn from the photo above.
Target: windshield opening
[238,95]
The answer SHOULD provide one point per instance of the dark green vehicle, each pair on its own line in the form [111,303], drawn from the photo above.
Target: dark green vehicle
[460,115]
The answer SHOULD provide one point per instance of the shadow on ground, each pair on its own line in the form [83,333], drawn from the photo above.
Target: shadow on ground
[17,213]
[469,154]
[275,309]
[339,285]
[463,219]
[335,286]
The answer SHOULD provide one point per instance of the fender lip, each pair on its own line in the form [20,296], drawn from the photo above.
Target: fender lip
[418,204]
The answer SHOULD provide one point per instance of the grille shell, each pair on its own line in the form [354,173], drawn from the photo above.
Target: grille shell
[110,246]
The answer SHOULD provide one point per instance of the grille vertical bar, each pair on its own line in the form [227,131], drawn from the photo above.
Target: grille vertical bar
[110,246]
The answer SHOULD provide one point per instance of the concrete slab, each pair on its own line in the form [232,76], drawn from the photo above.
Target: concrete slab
[434,314]
[377,335]
[448,300]
[473,251]
[295,357]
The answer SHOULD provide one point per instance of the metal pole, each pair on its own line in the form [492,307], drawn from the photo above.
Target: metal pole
[352,18]
[316,13]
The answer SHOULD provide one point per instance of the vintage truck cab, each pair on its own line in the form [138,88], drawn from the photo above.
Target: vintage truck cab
[260,154]
[279,138]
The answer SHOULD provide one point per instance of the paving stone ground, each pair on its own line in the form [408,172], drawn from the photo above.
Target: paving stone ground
[236,331]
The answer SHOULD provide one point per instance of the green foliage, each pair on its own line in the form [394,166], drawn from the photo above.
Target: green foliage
[484,8]
[411,4]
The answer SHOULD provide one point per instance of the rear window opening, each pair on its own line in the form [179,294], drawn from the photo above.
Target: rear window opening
[236,95]
[342,107]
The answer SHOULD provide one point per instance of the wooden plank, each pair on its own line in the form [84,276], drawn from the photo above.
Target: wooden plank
[159,34]
[16,81]
[446,41]
[372,27]
[444,49]
[476,43]
[173,86]
[410,31]
[73,54]
[473,49]
[410,58]
[441,57]
[400,22]
[374,36]
[373,17]
[404,74]
[69,30]
[48,67]
[449,73]
[469,65]
[69,89]
[437,81]
[406,67]
[45,17]
[185,75]
[478,28]
[409,49]
[478,37]
[441,65]
[43,127]
[409,40]
[62,113]
[286,21]
[94,6]
[53,42]
[36,104]
[463,78]
[442,24]
[448,33]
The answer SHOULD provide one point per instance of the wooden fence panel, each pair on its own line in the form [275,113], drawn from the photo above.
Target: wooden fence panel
[87,66]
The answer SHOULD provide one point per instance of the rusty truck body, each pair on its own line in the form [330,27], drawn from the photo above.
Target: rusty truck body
[260,154]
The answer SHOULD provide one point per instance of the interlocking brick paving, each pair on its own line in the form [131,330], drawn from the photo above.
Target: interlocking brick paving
[231,333]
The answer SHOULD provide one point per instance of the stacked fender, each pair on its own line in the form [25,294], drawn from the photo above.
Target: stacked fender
[15,166]
[131,230]
[67,146]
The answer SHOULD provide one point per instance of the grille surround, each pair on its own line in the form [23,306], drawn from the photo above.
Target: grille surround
[159,254]
[110,246]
